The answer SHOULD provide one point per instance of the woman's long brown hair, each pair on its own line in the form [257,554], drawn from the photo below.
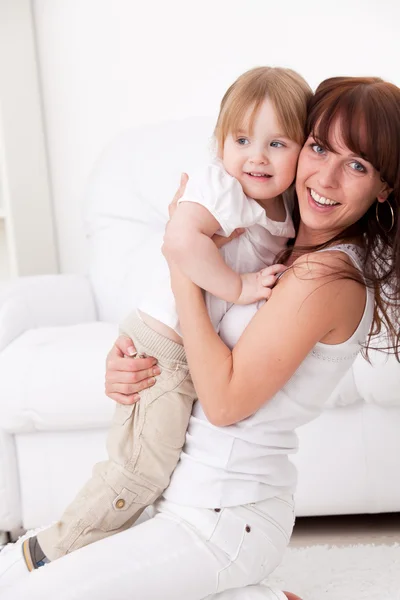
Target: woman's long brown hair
[368,112]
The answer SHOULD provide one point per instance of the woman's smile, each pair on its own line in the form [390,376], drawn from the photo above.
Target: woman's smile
[321,201]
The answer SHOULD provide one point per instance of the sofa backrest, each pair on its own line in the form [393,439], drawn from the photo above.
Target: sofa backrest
[127,205]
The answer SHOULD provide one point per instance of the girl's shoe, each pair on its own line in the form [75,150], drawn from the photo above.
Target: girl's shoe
[13,566]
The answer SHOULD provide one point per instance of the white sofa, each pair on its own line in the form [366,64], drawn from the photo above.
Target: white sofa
[55,332]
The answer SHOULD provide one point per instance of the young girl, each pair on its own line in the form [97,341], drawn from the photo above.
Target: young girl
[259,134]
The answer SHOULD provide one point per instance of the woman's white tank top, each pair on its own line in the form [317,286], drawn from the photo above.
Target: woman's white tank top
[249,461]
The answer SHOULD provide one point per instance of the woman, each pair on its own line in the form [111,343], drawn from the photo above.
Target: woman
[227,515]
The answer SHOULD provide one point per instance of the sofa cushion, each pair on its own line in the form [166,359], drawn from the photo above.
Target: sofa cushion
[53,379]
[10,499]
[378,382]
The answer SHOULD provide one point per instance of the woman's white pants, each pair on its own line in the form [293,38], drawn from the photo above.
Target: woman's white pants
[181,553]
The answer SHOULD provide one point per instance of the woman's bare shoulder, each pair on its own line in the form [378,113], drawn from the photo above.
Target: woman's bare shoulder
[330,264]
[329,277]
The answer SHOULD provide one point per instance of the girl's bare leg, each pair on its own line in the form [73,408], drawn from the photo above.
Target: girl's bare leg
[290,596]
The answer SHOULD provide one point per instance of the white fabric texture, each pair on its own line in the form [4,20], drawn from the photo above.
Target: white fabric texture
[13,567]
[34,302]
[10,499]
[126,206]
[352,572]
[179,554]
[249,461]
[66,396]
[344,468]
[223,196]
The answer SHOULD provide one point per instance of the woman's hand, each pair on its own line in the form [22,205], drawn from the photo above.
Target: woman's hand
[126,376]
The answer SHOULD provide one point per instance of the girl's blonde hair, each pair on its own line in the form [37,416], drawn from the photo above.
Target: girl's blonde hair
[286,89]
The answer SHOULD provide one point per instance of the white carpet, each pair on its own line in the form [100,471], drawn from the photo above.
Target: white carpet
[341,573]
[363,572]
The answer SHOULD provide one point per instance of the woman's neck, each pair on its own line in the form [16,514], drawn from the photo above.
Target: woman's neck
[307,240]
[309,237]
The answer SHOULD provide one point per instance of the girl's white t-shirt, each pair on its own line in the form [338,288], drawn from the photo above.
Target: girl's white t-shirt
[257,248]
[249,461]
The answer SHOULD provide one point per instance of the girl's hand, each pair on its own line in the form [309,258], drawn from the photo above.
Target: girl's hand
[258,286]
[219,240]
[126,376]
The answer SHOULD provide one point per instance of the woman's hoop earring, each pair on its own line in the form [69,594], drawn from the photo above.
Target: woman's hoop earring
[391,212]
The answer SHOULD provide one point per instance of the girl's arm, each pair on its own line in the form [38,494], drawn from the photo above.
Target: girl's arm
[187,242]
[309,303]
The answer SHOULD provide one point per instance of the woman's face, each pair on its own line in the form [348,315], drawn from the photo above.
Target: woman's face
[334,189]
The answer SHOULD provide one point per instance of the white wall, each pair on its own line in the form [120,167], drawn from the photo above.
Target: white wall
[107,65]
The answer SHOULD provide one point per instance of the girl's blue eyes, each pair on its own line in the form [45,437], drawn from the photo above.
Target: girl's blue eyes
[245,141]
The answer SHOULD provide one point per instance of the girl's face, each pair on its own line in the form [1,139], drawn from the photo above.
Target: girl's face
[262,160]
[334,189]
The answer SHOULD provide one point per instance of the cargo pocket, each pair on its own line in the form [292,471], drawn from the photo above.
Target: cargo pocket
[123,509]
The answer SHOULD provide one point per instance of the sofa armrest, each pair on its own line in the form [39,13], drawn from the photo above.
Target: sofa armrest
[44,301]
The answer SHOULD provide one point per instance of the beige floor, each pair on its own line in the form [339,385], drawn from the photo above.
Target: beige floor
[347,530]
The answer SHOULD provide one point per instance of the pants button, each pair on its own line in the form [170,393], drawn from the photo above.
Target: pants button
[217,510]
[248,528]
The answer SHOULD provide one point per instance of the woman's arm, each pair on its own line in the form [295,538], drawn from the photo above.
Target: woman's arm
[306,306]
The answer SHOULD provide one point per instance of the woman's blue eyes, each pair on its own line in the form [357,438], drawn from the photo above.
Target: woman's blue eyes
[317,148]
[358,167]
[354,165]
